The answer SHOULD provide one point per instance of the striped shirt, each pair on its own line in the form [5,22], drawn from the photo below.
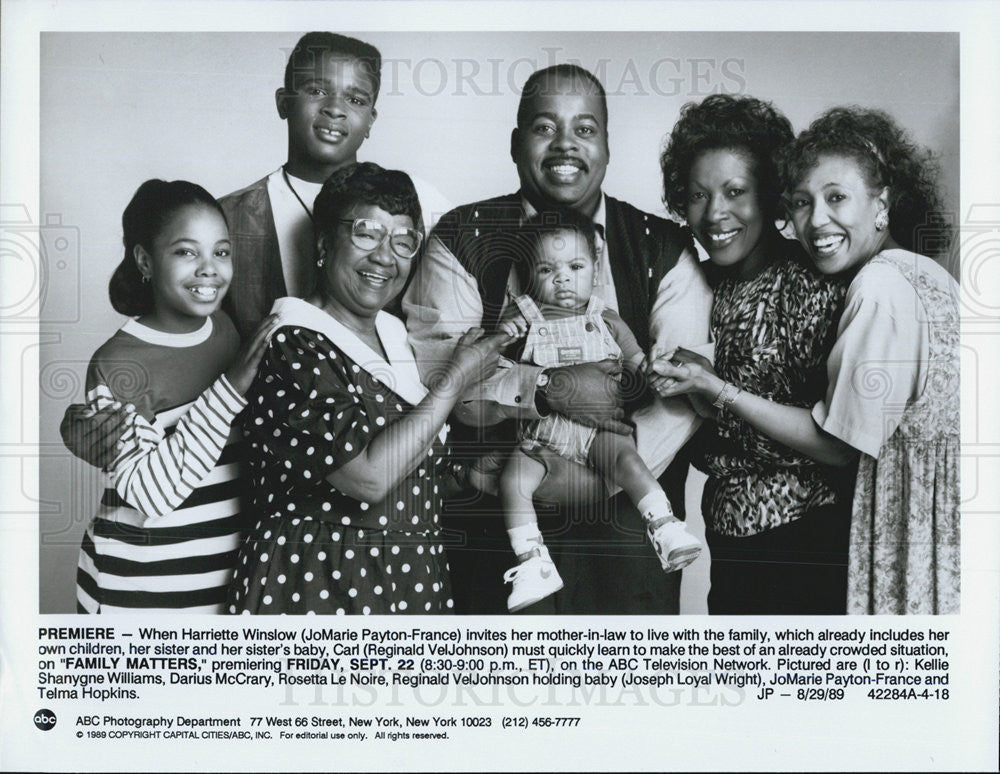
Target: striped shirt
[168,526]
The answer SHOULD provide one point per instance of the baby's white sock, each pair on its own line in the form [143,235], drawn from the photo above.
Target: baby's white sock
[655,505]
[525,539]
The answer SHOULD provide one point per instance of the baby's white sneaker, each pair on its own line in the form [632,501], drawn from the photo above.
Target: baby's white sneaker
[674,545]
[533,580]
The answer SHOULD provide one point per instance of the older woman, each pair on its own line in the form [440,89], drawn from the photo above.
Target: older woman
[862,198]
[776,520]
[346,443]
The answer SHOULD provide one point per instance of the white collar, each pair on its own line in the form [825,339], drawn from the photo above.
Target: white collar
[165,339]
[399,374]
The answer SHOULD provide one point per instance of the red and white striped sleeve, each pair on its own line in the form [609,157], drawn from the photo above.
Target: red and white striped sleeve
[154,473]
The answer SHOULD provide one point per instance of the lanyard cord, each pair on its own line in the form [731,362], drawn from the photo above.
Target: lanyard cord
[295,193]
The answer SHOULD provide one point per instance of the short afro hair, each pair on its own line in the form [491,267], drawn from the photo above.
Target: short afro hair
[315,44]
[535,85]
[550,221]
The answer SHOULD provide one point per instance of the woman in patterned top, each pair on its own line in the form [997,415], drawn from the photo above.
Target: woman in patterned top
[346,443]
[863,197]
[776,520]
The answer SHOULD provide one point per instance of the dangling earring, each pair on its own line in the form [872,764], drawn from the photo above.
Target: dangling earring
[319,263]
[881,220]
[145,279]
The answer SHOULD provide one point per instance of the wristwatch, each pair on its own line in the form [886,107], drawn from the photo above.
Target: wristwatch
[726,395]
[541,385]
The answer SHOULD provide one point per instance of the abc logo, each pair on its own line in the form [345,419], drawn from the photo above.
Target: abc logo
[45,720]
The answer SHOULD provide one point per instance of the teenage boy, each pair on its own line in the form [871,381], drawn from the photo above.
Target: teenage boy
[648,273]
[328,102]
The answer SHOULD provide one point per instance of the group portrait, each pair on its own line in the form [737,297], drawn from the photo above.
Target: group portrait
[500,323]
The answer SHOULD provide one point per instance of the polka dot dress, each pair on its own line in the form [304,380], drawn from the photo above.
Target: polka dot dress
[314,549]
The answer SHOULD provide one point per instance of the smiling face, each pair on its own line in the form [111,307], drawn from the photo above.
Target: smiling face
[563,270]
[561,149]
[189,264]
[357,284]
[834,213]
[329,115]
[723,208]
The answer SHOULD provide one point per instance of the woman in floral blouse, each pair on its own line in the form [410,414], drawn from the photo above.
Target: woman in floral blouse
[777,521]
[863,198]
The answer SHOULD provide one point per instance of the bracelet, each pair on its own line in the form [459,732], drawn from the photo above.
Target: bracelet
[726,396]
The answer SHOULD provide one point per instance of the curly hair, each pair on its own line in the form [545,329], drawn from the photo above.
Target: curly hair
[365,183]
[151,208]
[726,122]
[886,156]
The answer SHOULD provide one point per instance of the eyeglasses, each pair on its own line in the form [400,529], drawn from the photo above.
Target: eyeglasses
[367,234]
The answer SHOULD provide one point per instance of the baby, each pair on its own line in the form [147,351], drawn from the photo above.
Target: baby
[566,324]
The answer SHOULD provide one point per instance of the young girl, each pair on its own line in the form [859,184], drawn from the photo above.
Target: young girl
[565,324]
[166,532]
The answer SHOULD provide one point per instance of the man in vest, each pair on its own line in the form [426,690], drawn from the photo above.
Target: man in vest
[648,272]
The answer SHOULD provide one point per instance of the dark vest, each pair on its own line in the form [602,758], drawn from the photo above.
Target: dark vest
[641,249]
[257,274]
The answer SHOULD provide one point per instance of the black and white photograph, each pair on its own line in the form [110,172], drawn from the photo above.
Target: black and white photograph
[814,501]
[630,329]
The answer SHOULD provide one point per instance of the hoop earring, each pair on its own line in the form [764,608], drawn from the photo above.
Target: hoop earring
[145,279]
[881,220]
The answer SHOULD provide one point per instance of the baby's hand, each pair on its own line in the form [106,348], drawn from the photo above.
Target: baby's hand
[683,373]
[512,323]
[512,329]
[658,382]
